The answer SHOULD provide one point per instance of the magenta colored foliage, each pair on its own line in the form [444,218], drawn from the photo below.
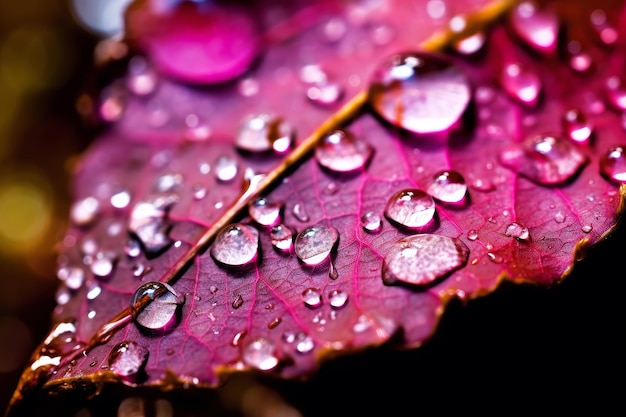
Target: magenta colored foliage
[529,185]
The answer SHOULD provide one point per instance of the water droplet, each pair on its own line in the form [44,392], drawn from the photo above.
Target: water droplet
[371,222]
[248,87]
[236,245]
[260,353]
[337,298]
[238,337]
[613,164]
[559,217]
[341,151]
[539,28]
[587,228]
[517,231]
[60,341]
[142,79]
[304,343]
[139,269]
[62,295]
[544,159]
[616,92]
[575,126]
[120,199]
[155,305]
[112,103]
[282,238]
[521,84]
[132,249]
[213,289]
[196,129]
[436,9]
[274,323]
[411,208]
[421,92]
[299,212]
[226,168]
[333,273]
[495,258]
[168,182]
[314,243]
[470,44]
[84,212]
[422,259]
[265,212]
[102,264]
[579,60]
[326,93]
[128,360]
[472,234]
[204,168]
[73,277]
[237,302]
[312,297]
[93,292]
[448,186]
[148,223]
[264,132]
[334,29]
[606,32]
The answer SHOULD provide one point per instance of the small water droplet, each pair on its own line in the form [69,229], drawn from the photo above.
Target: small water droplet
[331,188]
[587,228]
[521,83]
[337,298]
[264,212]
[93,292]
[282,238]
[312,297]
[199,191]
[559,217]
[607,34]
[155,305]
[120,199]
[495,258]
[264,132]
[236,245]
[248,87]
[213,289]
[168,182]
[196,129]
[341,151]
[62,295]
[575,126]
[371,222]
[112,103]
[73,277]
[314,244]
[139,270]
[333,273]
[102,265]
[304,343]
[579,60]
[421,92]
[613,164]
[539,28]
[226,168]
[325,93]
[85,211]
[411,208]
[237,302]
[436,9]
[128,360]
[299,212]
[334,29]
[472,234]
[142,79]
[422,259]
[260,353]
[517,231]
[544,159]
[616,92]
[274,323]
[470,44]
[132,249]
[448,187]
[238,337]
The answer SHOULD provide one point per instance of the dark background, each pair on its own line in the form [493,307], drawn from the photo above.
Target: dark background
[521,350]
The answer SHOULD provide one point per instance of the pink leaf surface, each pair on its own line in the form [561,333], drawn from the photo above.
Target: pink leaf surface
[168,168]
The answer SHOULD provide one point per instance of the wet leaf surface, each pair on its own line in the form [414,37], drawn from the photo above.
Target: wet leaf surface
[337,269]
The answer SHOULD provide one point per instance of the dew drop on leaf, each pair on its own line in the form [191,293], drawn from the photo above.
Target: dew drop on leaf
[337,298]
[371,222]
[517,231]
[300,213]
[236,245]
[521,83]
[265,212]
[325,93]
[263,132]
[587,228]
[575,126]
[148,222]
[102,265]
[472,234]
[274,323]
[411,208]
[226,168]
[155,304]
[142,79]
[304,343]
[422,259]
[237,302]
[544,159]
[132,249]
[616,92]
[448,186]
[93,291]
[85,211]
[312,297]
[559,217]
[61,340]
[606,33]
[341,151]
[112,103]
[73,277]
[314,244]
[120,199]
[138,270]
[470,44]
[613,164]
[168,182]
[282,238]
[260,353]
[537,27]
[237,338]
[128,360]
[420,92]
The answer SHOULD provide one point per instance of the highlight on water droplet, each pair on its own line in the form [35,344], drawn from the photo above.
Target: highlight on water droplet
[421,92]
[521,83]
[613,164]
[517,231]
[304,343]
[537,27]
[371,222]
[260,353]
[341,151]
[314,244]
[263,132]
[545,159]
[282,238]
[155,305]
[337,298]
[422,259]
[236,245]
[312,297]
[448,186]
[128,360]
[575,126]
[411,208]
[265,212]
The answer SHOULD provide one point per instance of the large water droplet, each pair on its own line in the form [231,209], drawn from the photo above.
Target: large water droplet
[155,305]
[265,212]
[539,28]
[517,231]
[448,186]
[313,244]
[260,353]
[337,298]
[282,238]
[371,222]
[312,297]
[422,259]
[148,222]
[544,159]
[236,245]
[264,132]
[340,151]
[84,212]
[128,360]
[575,126]
[412,208]
[613,164]
[521,84]
[421,92]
